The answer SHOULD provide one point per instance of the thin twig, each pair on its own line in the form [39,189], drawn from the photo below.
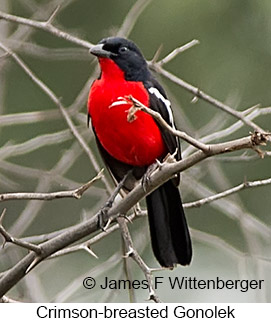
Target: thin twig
[132,252]
[8,238]
[45,26]
[177,51]
[87,244]
[132,17]
[35,143]
[137,105]
[28,117]
[257,112]
[48,54]
[32,209]
[217,242]
[157,67]
[200,94]
[76,193]
[122,207]
[58,103]
[245,185]
[232,210]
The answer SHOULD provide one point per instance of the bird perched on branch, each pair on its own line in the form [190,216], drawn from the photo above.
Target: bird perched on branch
[134,144]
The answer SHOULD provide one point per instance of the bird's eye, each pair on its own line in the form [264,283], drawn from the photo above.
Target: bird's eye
[123,49]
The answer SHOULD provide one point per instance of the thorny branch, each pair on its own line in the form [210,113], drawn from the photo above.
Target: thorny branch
[156,66]
[59,240]
[245,185]
[58,103]
[176,52]
[166,171]
[46,26]
[76,193]
[137,105]
[8,238]
[132,252]
[202,95]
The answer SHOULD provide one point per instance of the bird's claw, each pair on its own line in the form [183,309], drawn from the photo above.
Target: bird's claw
[103,218]
[145,182]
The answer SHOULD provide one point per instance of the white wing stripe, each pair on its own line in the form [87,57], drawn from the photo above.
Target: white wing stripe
[166,102]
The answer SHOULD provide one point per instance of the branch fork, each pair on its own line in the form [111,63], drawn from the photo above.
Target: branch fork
[8,238]
[71,235]
[137,105]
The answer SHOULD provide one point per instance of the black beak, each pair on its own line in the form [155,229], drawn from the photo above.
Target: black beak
[98,50]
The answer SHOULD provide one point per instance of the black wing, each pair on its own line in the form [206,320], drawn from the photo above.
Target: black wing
[160,103]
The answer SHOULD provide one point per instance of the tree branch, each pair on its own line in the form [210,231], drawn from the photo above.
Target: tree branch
[8,238]
[132,252]
[132,17]
[76,193]
[47,27]
[245,185]
[231,129]
[58,103]
[177,51]
[66,237]
[157,67]
[11,277]
[200,94]
[137,105]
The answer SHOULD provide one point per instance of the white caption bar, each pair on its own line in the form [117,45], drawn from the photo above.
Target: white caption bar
[143,311]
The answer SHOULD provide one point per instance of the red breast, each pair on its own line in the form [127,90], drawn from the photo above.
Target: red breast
[138,142]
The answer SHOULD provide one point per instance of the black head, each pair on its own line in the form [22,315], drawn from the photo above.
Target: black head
[125,54]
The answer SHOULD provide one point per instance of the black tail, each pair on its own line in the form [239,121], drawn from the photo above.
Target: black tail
[169,232]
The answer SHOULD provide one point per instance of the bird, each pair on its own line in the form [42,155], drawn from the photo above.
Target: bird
[134,145]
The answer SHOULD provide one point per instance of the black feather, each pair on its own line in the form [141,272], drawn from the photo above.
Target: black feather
[169,232]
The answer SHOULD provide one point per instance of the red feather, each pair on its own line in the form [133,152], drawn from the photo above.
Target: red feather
[138,142]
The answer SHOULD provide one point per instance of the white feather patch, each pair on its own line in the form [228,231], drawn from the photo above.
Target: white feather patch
[120,101]
[166,102]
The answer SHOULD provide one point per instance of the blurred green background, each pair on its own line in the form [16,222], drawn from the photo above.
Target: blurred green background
[231,63]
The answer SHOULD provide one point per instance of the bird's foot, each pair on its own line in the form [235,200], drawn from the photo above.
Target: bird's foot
[103,217]
[145,181]
[170,158]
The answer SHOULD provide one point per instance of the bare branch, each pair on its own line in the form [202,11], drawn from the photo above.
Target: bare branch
[233,210]
[157,67]
[137,105]
[177,51]
[131,17]
[48,54]
[85,245]
[200,94]
[8,238]
[28,117]
[228,192]
[159,177]
[45,26]
[242,158]
[53,15]
[63,238]
[131,252]
[256,112]
[76,193]
[35,143]
[213,240]
[32,209]
[58,103]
